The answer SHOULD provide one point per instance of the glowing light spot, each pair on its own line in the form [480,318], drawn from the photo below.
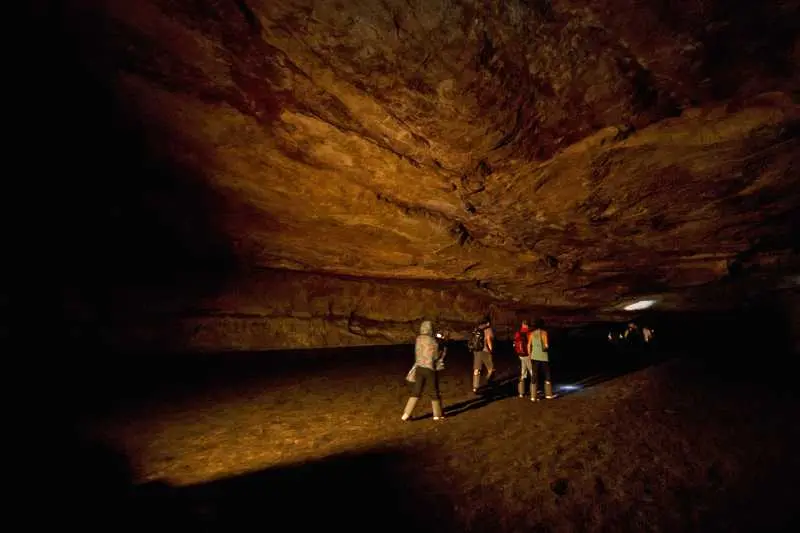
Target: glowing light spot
[641,304]
[569,387]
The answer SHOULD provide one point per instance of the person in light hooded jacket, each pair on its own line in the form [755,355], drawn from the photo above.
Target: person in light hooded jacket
[428,360]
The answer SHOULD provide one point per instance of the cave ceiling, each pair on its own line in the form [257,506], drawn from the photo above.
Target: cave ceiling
[566,153]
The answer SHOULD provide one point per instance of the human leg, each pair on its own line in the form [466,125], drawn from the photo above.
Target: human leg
[548,384]
[488,360]
[476,371]
[436,397]
[534,380]
[525,372]
[416,391]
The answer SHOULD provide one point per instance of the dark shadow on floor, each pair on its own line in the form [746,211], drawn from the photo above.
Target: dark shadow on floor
[89,481]
[374,490]
[567,389]
[505,386]
[502,387]
[366,490]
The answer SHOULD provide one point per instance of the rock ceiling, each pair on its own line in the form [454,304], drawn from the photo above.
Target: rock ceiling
[563,153]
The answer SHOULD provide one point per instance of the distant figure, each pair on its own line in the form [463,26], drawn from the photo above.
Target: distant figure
[634,336]
[647,333]
[428,359]
[633,346]
[538,346]
[481,343]
[526,369]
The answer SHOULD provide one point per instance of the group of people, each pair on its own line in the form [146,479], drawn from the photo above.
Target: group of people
[531,346]
[633,338]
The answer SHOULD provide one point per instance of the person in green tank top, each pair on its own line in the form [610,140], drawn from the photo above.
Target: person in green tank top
[538,346]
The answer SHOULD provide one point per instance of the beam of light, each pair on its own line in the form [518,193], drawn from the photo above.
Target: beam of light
[568,387]
[641,304]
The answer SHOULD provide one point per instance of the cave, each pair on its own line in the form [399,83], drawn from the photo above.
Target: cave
[226,191]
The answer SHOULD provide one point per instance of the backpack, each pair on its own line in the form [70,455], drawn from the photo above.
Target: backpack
[521,343]
[477,340]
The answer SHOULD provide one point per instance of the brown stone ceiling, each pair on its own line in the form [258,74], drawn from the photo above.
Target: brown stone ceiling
[561,153]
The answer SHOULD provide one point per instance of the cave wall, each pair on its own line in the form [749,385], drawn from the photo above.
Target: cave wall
[276,309]
[281,309]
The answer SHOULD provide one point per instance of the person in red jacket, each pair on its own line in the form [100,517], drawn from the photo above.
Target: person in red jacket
[521,349]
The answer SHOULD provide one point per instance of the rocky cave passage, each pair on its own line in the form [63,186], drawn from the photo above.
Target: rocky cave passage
[269,174]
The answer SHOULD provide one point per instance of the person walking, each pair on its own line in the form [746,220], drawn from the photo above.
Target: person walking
[538,347]
[428,360]
[521,349]
[481,344]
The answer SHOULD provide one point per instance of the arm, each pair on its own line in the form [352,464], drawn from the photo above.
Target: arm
[490,340]
[545,341]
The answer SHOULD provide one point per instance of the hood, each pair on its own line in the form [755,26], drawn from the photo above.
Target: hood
[426,328]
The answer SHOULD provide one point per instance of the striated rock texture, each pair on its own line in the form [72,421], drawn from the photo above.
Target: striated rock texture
[371,162]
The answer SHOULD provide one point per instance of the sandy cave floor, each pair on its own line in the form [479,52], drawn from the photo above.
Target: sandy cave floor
[670,447]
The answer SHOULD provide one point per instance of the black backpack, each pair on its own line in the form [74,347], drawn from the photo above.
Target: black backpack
[477,340]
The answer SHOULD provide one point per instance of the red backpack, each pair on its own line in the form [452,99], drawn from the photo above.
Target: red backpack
[521,343]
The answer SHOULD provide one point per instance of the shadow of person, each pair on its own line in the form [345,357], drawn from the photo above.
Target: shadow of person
[498,389]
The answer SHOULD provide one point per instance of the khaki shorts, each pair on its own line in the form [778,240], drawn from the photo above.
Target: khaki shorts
[482,358]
